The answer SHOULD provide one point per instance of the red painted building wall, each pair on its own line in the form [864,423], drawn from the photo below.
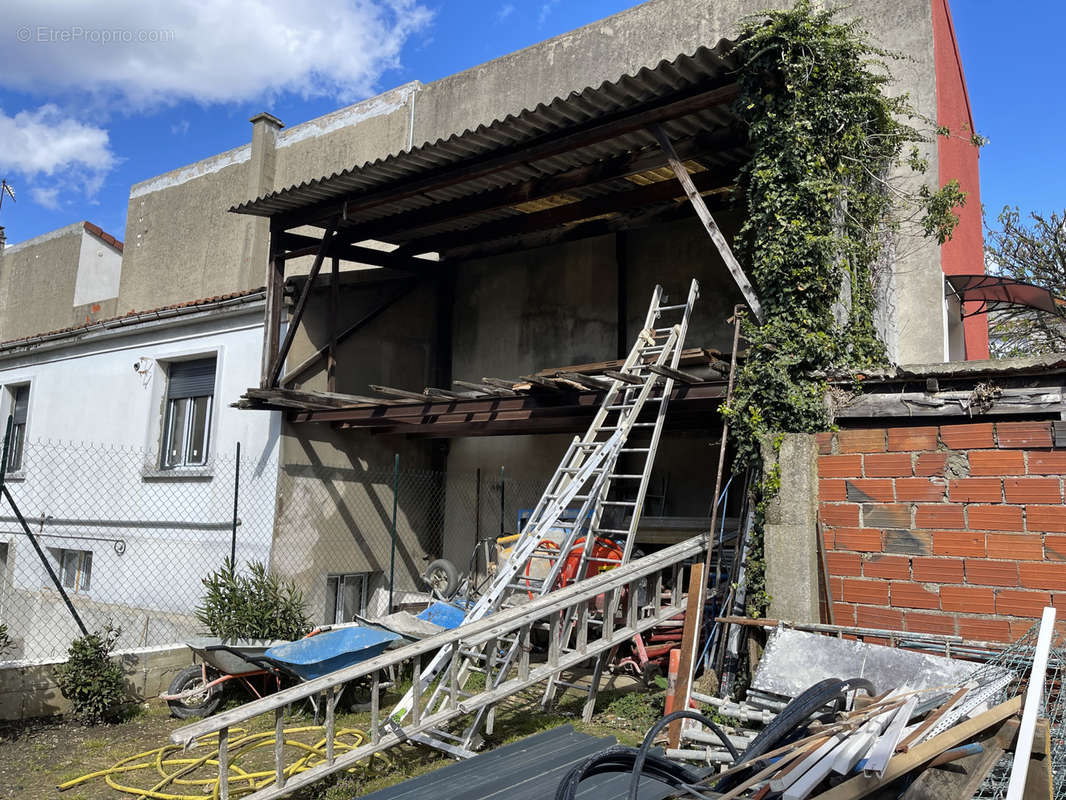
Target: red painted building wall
[958,160]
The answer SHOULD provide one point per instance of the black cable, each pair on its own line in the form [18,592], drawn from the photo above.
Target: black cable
[619,758]
[645,746]
[792,718]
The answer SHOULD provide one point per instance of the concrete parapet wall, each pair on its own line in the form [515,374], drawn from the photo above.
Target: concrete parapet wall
[28,689]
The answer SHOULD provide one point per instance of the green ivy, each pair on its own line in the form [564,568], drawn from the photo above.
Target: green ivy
[825,136]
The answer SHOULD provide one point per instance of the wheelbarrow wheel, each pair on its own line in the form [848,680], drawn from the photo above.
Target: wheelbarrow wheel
[200,704]
[442,577]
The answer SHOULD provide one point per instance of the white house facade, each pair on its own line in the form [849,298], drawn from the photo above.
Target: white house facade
[122,459]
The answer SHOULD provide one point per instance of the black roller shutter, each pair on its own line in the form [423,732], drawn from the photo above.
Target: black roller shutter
[192,378]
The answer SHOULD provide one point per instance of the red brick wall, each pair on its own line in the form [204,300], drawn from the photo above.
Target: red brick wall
[957,529]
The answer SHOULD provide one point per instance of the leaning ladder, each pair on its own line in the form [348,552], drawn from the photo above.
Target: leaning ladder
[588,474]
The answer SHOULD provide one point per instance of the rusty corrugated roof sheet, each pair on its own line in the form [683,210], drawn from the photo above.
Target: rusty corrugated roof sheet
[704,66]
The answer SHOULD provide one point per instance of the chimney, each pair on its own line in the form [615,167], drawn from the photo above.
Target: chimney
[260,181]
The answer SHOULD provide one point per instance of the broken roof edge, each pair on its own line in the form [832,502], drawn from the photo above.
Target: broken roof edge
[541,119]
[1025,365]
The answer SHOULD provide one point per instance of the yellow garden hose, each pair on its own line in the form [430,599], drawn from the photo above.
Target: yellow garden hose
[169,769]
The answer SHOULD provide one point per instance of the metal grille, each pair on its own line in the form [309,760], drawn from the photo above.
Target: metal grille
[131,543]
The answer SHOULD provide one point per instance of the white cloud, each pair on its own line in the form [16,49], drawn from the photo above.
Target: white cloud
[180,128]
[546,10]
[147,52]
[49,198]
[506,10]
[54,152]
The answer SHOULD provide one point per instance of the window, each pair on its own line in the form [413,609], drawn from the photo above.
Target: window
[345,597]
[75,569]
[19,406]
[187,424]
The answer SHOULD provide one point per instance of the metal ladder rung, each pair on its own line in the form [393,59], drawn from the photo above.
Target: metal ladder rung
[626,503]
[672,308]
[612,530]
[635,450]
[625,477]
[438,733]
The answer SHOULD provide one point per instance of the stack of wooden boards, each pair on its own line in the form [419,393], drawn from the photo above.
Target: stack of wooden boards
[915,742]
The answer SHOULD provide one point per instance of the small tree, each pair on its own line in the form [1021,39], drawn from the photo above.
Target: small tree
[255,605]
[1034,252]
[90,680]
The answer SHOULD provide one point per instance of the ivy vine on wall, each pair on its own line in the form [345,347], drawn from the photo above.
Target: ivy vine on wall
[822,194]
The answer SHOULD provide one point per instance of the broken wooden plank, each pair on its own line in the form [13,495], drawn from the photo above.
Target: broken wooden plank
[862,785]
[501,383]
[543,383]
[590,381]
[426,398]
[484,388]
[624,377]
[709,224]
[674,374]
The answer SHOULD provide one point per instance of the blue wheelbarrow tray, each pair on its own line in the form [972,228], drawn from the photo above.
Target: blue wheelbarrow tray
[328,652]
[445,615]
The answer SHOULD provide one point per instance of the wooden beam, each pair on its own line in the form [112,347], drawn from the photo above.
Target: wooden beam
[708,222]
[331,323]
[485,388]
[598,129]
[275,297]
[623,377]
[542,382]
[298,312]
[689,635]
[519,224]
[500,383]
[589,381]
[423,397]
[299,246]
[300,369]
[674,374]
[584,176]
[861,785]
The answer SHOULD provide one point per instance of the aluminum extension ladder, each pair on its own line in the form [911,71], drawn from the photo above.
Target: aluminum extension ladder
[609,508]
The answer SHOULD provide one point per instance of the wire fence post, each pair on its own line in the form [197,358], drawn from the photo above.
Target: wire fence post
[236,498]
[503,502]
[477,523]
[395,495]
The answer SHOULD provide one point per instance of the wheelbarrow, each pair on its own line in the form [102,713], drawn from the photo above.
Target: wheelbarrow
[198,689]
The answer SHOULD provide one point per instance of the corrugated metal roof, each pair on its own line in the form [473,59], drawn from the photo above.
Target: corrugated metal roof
[529,769]
[686,72]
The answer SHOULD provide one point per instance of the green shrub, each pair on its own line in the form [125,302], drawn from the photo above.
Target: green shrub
[252,605]
[90,680]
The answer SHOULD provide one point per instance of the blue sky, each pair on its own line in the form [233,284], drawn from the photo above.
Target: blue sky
[83,116]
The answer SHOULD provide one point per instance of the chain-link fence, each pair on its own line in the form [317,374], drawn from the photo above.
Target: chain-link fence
[129,544]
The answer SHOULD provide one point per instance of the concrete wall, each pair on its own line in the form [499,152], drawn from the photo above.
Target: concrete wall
[28,690]
[93,434]
[182,244]
[56,280]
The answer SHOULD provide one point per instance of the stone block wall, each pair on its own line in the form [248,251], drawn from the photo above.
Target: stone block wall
[953,529]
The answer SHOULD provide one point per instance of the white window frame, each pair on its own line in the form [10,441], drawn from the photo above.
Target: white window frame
[82,563]
[335,583]
[185,460]
[16,455]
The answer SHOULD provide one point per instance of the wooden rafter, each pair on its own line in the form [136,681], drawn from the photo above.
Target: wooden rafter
[693,192]
[594,131]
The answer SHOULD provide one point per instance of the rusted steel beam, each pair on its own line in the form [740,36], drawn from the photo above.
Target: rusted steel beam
[299,246]
[275,297]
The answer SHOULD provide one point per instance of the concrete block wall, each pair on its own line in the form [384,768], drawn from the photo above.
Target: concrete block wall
[953,529]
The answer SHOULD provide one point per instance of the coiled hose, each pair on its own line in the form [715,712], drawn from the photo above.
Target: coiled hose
[620,758]
[645,746]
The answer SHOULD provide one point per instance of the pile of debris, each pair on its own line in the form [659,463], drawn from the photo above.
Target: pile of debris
[908,724]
